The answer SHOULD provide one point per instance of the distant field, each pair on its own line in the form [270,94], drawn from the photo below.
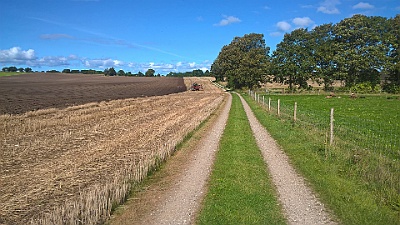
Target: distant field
[5,74]
[35,91]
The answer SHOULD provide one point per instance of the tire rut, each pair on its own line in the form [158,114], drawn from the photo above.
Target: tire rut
[299,203]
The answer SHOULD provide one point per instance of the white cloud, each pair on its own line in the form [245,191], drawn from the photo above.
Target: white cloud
[329,7]
[228,20]
[363,5]
[302,22]
[275,34]
[102,63]
[16,54]
[283,26]
[192,64]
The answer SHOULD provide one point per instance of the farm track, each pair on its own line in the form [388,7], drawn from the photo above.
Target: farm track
[300,204]
[55,161]
[174,196]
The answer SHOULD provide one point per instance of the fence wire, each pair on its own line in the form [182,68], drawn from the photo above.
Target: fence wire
[372,147]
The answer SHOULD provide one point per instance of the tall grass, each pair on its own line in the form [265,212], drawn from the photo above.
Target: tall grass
[361,184]
[240,190]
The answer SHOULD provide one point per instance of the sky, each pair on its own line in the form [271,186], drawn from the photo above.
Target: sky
[167,36]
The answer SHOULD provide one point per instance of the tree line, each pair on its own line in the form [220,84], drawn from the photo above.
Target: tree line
[15,69]
[358,51]
[112,72]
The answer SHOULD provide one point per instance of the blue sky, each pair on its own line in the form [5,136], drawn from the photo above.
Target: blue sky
[167,36]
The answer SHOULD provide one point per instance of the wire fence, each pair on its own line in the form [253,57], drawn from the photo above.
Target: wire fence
[372,147]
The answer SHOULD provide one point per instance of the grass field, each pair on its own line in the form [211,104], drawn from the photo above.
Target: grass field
[240,189]
[358,177]
[4,74]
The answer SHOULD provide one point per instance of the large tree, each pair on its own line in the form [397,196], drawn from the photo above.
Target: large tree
[243,62]
[292,59]
[323,49]
[362,49]
[150,73]
[393,70]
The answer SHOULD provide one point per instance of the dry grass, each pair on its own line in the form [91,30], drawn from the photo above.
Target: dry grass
[73,165]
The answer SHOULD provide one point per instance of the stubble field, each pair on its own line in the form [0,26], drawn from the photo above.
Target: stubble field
[73,164]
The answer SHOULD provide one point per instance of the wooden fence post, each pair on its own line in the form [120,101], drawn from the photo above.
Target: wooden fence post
[295,112]
[279,107]
[331,128]
[269,104]
[263,101]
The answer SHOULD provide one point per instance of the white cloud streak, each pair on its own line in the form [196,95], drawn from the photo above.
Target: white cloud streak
[228,20]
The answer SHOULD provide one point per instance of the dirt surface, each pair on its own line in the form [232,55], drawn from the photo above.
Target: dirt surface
[175,195]
[73,164]
[300,205]
[27,92]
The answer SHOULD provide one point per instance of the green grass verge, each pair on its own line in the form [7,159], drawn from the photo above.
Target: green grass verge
[240,190]
[6,74]
[350,197]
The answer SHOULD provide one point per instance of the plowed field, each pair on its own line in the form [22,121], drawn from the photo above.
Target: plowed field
[34,91]
[72,164]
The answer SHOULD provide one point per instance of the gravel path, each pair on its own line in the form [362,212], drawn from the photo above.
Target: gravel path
[299,203]
[178,203]
[177,200]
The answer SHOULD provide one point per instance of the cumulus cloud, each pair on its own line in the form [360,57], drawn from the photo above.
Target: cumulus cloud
[16,54]
[303,21]
[102,63]
[228,20]
[329,7]
[283,26]
[363,5]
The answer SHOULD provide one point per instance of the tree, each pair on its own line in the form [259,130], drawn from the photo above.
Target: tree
[243,62]
[291,59]
[393,70]
[66,71]
[28,69]
[12,69]
[362,49]
[150,73]
[110,72]
[323,49]
[121,73]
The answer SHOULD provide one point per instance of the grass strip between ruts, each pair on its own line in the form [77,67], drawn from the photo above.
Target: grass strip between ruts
[240,189]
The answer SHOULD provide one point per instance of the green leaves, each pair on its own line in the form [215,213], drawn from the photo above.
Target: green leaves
[243,62]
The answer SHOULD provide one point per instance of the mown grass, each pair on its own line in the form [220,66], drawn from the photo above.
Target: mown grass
[240,190]
[335,176]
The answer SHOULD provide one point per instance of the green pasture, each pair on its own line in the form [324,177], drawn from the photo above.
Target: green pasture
[5,74]
[358,176]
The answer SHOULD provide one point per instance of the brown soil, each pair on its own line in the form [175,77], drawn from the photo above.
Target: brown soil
[72,164]
[35,91]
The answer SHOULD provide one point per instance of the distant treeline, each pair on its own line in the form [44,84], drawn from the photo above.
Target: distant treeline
[112,72]
[194,73]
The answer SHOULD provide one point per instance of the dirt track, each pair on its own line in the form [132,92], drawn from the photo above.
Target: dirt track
[174,200]
[61,164]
